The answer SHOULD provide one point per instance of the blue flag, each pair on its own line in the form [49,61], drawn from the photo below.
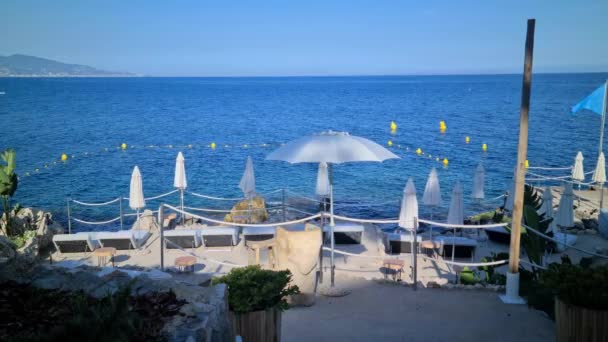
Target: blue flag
[594,102]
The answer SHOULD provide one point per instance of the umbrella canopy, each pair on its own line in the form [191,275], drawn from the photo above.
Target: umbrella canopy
[599,176]
[547,207]
[564,217]
[136,191]
[479,182]
[331,147]
[577,171]
[322,180]
[456,211]
[247,183]
[179,181]
[409,206]
[432,191]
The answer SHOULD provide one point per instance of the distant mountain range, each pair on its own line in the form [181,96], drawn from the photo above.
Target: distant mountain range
[30,66]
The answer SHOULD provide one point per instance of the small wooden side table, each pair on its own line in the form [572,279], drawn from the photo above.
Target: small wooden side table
[103,253]
[268,244]
[394,265]
[432,246]
[185,263]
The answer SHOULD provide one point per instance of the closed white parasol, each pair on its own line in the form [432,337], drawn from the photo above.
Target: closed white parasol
[432,195]
[479,182]
[409,207]
[247,183]
[136,192]
[331,148]
[179,180]
[456,211]
[577,171]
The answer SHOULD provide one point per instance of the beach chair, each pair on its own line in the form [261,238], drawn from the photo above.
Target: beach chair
[219,236]
[463,247]
[123,239]
[75,243]
[258,233]
[345,233]
[397,243]
[499,235]
[182,238]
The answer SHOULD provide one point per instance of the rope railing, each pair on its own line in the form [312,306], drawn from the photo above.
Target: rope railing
[229,264]
[159,196]
[95,204]
[208,219]
[564,243]
[214,197]
[96,222]
[549,168]
[433,223]
[466,264]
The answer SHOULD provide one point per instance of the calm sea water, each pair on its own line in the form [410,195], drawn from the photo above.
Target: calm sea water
[157,117]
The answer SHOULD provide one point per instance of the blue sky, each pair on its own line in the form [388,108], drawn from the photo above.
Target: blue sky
[278,38]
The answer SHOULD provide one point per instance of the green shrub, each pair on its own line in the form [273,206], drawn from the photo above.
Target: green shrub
[20,240]
[252,289]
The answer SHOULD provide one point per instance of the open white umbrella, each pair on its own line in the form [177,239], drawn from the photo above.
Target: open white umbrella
[409,207]
[136,192]
[432,195]
[322,180]
[179,181]
[331,148]
[479,182]
[456,211]
[247,183]
[599,176]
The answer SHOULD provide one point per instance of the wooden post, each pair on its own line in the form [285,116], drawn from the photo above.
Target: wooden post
[522,150]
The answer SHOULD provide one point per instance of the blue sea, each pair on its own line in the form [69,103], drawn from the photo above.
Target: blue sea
[89,118]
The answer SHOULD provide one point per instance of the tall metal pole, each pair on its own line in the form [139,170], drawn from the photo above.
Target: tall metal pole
[332,224]
[69,217]
[601,148]
[162,237]
[120,208]
[512,289]
[414,255]
[181,204]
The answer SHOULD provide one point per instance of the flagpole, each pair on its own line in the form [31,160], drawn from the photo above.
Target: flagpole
[602,139]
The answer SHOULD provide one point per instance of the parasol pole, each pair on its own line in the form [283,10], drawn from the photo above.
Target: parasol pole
[602,125]
[512,289]
[332,223]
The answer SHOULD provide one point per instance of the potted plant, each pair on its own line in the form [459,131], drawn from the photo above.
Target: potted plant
[581,300]
[256,298]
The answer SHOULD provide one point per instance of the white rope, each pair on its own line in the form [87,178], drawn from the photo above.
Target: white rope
[160,196]
[207,219]
[303,197]
[135,214]
[202,257]
[467,264]
[355,255]
[215,198]
[225,210]
[547,177]
[550,168]
[438,224]
[495,198]
[96,223]
[96,204]
[563,243]
[351,219]
[298,210]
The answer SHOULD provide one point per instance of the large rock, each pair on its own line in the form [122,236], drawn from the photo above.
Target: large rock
[248,211]
[147,221]
[298,251]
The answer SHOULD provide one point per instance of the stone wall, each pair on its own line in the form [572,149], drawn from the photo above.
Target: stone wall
[204,317]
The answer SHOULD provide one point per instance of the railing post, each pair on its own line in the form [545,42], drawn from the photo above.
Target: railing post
[284,207]
[69,217]
[120,208]
[162,237]
[414,254]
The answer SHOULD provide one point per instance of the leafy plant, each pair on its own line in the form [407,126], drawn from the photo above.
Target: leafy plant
[20,240]
[8,185]
[491,276]
[252,289]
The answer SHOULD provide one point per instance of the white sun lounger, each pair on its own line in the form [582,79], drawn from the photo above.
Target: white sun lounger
[259,233]
[123,239]
[75,243]
[463,247]
[182,238]
[396,243]
[219,236]
[345,233]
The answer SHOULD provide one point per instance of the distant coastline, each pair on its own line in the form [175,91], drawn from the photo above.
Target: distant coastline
[32,67]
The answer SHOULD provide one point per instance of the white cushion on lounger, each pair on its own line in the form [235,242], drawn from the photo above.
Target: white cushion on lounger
[405,237]
[345,228]
[136,236]
[219,230]
[89,237]
[498,230]
[266,230]
[456,240]
[181,232]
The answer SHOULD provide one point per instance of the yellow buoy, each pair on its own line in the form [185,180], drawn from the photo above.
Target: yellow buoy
[123,146]
[393,126]
[484,147]
[390,143]
[445,161]
[213,146]
[526,164]
[419,151]
[64,157]
[467,139]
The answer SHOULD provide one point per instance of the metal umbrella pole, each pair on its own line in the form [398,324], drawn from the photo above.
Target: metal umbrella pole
[601,147]
[181,203]
[331,222]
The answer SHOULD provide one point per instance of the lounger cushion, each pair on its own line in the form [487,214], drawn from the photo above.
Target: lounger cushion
[88,244]
[219,236]
[344,228]
[185,238]
[404,237]
[267,230]
[456,240]
[136,237]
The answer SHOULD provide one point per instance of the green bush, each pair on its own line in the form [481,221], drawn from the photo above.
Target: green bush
[252,289]
[578,285]
[19,240]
